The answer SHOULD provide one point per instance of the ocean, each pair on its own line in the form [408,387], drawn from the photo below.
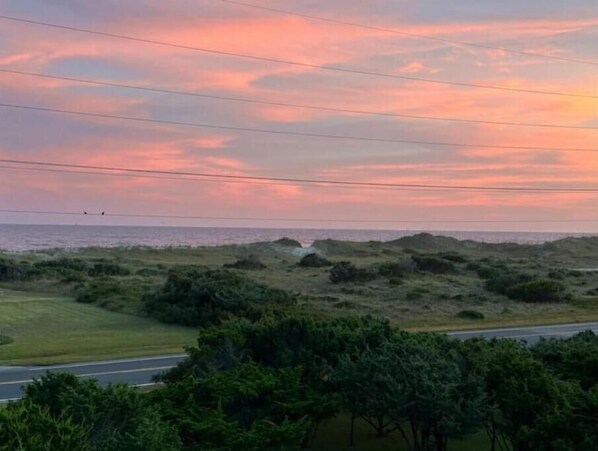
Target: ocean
[22,238]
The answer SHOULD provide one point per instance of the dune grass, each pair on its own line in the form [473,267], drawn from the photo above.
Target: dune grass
[49,329]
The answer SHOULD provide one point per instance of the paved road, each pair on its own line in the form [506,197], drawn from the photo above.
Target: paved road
[529,334]
[140,371]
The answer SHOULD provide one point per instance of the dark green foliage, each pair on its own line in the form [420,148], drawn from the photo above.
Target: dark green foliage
[592,292]
[148,272]
[116,418]
[108,269]
[30,427]
[266,385]
[5,340]
[248,407]
[343,272]
[282,343]
[525,400]
[11,270]
[251,263]
[470,314]
[539,290]
[111,293]
[314,261]
[288,242]
[66,269]
[413,380]
[392,270]
[453,257]
[574,358]
[489,272]
[433,264]
[194,298]
[503,281]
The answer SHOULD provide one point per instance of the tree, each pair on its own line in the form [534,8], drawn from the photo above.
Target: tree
[248,407]
[27,426]
[522,395]
[412,381]
[195,298]
[574,358]
[115,418]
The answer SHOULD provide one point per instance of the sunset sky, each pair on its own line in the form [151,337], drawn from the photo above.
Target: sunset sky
[567,29]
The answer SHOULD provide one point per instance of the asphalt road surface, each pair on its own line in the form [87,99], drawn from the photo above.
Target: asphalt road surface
[139,371]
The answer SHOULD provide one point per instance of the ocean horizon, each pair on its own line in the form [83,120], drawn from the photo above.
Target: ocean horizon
[34,237]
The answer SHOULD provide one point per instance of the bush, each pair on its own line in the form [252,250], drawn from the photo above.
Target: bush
[540,290]
[117,417]
[453,257]
[502,282]
[488,272]
[470,314]
[251,263]
[108,269]
[314,261]
[193,298]
[5,340]
[288,242]
[392,270]
[433,264]
[110,293]
[348,272]
[10,270]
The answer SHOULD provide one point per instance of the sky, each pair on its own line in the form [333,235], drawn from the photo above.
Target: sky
[560,28]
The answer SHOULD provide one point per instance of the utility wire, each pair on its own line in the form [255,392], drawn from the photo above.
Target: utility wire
[299,63]
[229,218]
[415,186]
[200,180]
[290,105]
[290,133]
[409,34]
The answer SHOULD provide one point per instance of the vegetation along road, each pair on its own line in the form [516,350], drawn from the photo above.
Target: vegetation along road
[139,371]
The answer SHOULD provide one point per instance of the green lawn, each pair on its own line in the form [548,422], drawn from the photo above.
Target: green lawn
[333,435]
[48,329]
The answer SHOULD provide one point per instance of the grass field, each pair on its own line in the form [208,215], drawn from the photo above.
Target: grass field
[53,328]
[49,329]
[333,435]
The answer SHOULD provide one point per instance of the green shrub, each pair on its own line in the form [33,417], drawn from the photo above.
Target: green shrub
[314,260]
[470,314]
[433,264]
[108,269]
[111,293]
[488,272]
[251,263]
[392,269]
[556,275]
[11,270]
[347,272]
[453,257]
[194,298]
[288,242]
[502,282]
[539,290]
[5,340]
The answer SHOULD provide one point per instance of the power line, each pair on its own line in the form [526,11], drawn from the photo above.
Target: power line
[411,35]
[299,63]
[290,133]
[290,105]
[415,186]
[231,218]
[198,180]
